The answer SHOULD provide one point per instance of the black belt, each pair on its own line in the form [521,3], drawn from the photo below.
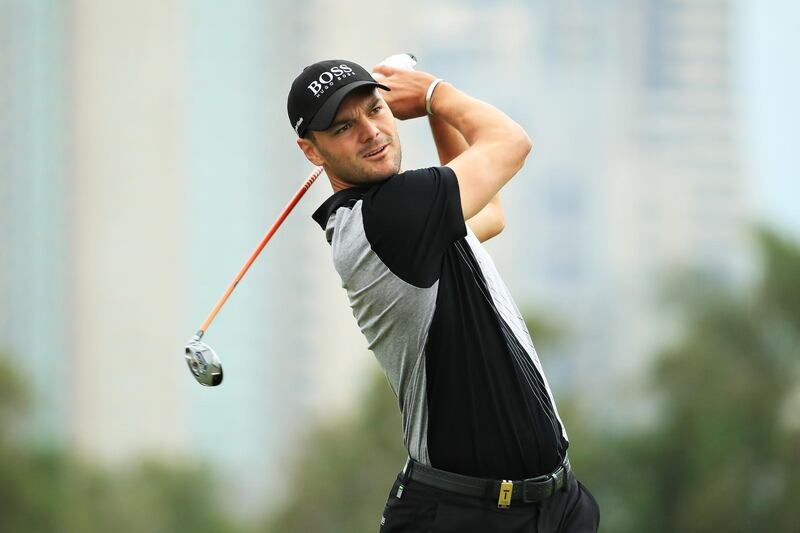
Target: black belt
[526,491]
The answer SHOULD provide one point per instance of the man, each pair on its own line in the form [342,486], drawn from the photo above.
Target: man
[487,449]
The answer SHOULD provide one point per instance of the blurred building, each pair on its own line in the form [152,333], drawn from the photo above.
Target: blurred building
[128,253]
[34,209]
[679,197]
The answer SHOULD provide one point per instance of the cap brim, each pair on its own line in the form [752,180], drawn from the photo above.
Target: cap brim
[324,117]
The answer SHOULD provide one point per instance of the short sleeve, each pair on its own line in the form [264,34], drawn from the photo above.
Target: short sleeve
[411,219]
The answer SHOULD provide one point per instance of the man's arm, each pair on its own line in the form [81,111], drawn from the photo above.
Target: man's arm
[450,144]
[498,146]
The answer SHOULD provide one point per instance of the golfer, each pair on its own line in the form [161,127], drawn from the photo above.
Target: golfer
[487,449]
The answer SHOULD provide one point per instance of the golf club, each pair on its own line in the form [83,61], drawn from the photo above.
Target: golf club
[203,362]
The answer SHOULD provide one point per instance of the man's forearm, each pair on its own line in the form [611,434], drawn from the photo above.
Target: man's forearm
[497,148]
[489,221]
[449,142]
[471,118]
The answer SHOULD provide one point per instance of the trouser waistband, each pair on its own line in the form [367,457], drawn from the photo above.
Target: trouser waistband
[505,491]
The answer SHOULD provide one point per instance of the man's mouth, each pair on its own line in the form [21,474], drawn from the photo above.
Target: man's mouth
[377,151]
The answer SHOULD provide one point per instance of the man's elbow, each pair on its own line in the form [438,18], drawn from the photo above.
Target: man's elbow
[524,143]
[521,145]
[497,226]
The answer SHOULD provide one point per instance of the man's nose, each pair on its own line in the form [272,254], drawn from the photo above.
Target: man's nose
[369,130]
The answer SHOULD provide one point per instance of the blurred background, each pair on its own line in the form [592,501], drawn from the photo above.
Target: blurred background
[652,240]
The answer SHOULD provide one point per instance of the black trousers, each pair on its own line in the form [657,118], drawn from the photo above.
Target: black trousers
[424,509]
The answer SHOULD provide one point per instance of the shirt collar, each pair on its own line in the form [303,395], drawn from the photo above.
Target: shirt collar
[335,201]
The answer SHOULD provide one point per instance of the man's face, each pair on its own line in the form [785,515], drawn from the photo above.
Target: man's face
[361,146]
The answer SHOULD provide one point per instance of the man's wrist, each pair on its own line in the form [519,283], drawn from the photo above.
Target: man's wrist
[429,95]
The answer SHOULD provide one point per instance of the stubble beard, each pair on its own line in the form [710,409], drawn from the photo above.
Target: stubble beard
[357,172]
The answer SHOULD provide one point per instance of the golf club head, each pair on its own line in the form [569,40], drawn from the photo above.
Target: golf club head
[203,363]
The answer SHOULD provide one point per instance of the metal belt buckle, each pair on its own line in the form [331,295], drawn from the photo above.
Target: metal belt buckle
[504,499]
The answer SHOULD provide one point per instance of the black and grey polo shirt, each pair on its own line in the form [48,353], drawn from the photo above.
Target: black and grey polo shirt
[443,326]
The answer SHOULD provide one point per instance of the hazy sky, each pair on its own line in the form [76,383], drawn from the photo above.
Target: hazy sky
[770,74]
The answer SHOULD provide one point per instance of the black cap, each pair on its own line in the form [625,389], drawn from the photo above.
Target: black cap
[319,90]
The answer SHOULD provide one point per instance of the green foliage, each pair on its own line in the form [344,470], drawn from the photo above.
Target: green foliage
[13,398]
[150,497]
[50,491]
[341,482]
[544,331]
[721,458]
[780,288]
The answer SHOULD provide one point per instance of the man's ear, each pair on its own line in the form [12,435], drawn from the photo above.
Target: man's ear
[310,151]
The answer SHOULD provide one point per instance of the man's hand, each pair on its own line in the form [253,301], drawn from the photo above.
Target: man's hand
[497,146]
[408,87]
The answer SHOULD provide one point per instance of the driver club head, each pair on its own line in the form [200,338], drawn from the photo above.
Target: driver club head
[203,363]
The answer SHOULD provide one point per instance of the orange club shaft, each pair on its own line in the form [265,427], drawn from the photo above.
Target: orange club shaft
[286,210]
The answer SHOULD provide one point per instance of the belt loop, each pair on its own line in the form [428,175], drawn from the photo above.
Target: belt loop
[407,470]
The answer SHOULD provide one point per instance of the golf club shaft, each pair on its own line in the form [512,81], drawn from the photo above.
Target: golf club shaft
[286,210]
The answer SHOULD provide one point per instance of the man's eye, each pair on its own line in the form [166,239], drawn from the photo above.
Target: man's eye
[376,109]
[343,128]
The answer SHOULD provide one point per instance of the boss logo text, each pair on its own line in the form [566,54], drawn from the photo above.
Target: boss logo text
[318,86]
